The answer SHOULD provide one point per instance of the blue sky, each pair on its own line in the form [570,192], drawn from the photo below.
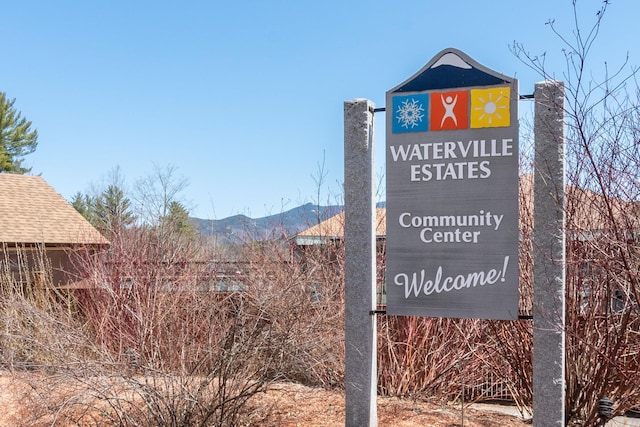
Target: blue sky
[245,98]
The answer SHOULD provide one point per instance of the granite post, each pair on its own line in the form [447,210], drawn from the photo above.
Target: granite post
[549,256]
[360,276]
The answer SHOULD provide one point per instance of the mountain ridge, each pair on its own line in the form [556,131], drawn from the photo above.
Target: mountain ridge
[241,228]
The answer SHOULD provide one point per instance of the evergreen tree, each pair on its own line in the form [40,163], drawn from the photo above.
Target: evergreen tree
[83,203]
[111,210]
[178,221]
[17,139]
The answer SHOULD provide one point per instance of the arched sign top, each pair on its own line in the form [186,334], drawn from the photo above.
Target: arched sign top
[451,68]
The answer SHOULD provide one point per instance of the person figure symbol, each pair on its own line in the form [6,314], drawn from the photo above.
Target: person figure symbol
[449,104]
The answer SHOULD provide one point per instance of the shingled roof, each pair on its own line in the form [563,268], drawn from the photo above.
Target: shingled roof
[588,213]
[31,211]
[333,228]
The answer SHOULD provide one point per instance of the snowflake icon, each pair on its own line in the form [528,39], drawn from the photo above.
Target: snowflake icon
[410,113]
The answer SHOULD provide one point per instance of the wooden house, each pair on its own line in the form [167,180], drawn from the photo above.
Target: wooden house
[39,234]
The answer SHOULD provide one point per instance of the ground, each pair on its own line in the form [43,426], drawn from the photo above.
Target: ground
[292,405]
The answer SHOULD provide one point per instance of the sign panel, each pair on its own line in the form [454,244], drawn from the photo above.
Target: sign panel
[452,192]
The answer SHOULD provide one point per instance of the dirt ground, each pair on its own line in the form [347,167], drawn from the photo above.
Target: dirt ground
[289,405]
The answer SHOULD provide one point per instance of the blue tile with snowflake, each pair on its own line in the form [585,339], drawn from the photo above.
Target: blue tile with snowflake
[410,113]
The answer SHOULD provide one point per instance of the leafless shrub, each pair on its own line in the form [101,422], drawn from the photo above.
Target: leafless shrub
[147,343]
[418,357]
[184,353]
[602,300]
[198,365]
[301,293]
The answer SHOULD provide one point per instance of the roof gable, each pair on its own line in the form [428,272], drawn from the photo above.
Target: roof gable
[333,228]
[31,211]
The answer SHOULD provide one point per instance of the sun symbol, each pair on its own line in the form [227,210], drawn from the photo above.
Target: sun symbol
[410,113]
[490,107]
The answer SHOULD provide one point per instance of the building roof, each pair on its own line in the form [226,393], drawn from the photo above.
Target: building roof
[587,211]
[333,228]
[31,211]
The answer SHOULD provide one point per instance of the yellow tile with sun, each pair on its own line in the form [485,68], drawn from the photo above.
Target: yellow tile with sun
[490,107]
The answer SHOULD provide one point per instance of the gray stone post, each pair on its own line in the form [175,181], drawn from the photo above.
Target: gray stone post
[360,272]
[549,256]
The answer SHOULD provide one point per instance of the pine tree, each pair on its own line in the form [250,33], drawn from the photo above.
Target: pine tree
[178,221]
[17,139]
[112,210]
[83,204]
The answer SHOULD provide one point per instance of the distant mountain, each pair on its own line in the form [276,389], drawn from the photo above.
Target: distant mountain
[241,228]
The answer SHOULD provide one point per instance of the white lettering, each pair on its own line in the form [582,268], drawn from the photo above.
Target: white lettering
[427,235]
[479,219]
[417,283]
[452,150]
